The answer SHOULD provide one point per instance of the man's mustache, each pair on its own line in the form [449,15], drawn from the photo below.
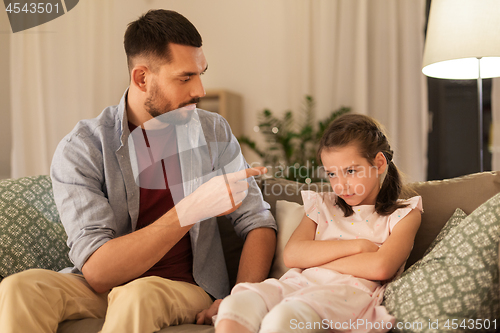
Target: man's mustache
[195,100]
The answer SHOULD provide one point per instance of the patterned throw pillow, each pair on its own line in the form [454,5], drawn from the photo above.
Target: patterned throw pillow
[455,287]
[31,233]
[457,217]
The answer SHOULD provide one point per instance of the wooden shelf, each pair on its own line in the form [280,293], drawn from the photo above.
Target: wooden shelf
[226,103]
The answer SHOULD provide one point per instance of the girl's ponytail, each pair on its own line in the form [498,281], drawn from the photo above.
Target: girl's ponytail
[390,192]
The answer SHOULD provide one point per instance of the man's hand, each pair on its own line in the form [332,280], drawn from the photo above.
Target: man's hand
[221,195]
[205,317]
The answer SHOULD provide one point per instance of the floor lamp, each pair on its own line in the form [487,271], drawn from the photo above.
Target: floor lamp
[463,42]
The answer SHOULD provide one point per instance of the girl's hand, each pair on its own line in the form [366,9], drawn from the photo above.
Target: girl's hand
[367,246]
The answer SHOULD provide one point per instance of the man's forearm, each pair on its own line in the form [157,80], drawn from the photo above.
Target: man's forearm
[127,257]
[257,255]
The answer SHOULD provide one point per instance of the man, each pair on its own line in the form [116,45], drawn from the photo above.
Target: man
[146,261]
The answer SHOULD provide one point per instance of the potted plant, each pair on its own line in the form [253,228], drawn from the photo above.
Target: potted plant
[290,147]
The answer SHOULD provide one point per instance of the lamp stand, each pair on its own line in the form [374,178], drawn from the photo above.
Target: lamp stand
[480,108]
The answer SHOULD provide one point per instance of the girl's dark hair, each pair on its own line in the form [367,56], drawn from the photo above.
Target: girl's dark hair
[367,134]
[151,34]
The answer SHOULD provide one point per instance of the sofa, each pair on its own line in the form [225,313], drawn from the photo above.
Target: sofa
[31,236]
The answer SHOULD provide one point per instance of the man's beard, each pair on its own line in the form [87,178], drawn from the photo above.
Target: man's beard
[167,114]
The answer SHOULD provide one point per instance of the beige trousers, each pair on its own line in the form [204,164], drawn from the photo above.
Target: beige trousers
[38,300]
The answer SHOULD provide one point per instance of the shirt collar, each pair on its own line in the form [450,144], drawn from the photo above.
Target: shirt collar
[123,119]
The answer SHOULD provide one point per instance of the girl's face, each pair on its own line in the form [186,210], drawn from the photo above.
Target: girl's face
[352,177]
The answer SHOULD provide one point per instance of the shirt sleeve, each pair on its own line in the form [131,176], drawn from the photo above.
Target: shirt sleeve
[399,214]
[254,212]
[312,201]
[85,212]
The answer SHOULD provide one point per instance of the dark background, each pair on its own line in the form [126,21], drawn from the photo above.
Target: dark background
[453,145]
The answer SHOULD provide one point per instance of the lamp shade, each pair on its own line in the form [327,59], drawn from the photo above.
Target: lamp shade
[458,33]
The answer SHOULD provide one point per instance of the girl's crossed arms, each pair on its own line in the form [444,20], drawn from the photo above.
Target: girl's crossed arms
[358,257]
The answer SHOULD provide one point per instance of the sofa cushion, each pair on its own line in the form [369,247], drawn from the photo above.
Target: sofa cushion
[454,220]
[288,217]
[274,189]
[95,325]
[458,279]
[440,198]
[457,217]
[31,234]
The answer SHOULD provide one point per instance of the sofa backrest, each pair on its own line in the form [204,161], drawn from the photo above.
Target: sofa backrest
[31,234]
[440,199]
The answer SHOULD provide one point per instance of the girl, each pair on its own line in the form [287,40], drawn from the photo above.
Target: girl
[348,242]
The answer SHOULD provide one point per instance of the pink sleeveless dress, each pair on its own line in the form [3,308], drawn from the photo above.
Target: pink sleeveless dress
[346,303]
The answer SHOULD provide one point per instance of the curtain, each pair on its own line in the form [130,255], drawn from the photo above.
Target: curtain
[60,73]
[358,53]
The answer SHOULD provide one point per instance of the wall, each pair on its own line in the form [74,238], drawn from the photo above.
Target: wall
[5,126]
[258,48]
[244,43]
[246,46]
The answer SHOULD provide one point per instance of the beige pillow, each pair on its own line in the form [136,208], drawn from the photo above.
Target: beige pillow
[288,217]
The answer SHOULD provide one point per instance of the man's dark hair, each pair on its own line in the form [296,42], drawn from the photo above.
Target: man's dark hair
[151,34]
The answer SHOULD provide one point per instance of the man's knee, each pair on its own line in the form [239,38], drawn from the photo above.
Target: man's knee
[23,282]
[137,292]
